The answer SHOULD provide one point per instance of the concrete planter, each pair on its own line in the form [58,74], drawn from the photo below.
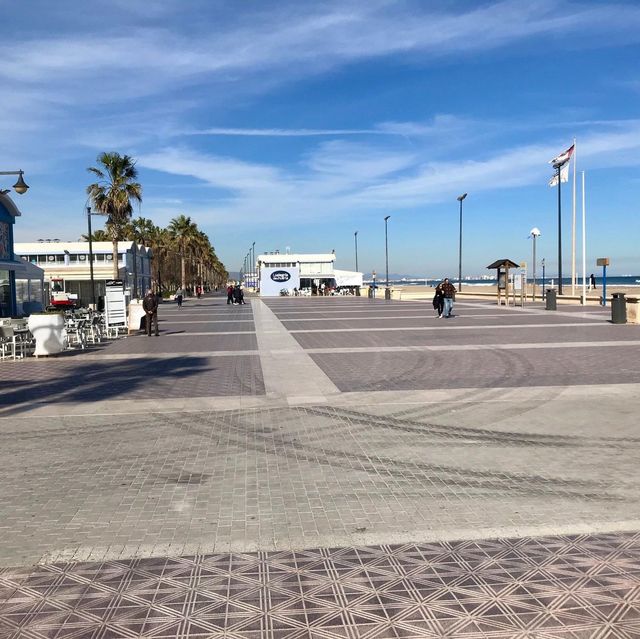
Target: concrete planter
[48,331]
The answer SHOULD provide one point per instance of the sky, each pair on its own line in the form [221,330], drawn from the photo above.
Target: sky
[296,124]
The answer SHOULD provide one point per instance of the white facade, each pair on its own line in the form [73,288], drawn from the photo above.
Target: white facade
[69,262]
[306,272]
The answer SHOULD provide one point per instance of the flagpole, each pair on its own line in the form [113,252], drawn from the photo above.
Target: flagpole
[573,225]
[584,246]
[559,230]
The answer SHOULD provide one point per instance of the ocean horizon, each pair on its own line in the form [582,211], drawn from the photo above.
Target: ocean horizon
[614,280]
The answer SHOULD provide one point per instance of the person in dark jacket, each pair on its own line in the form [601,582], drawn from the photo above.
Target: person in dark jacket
[150,306]
[229,294]
[438,300]
[449,292]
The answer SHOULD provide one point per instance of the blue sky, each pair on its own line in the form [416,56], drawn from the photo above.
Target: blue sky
[297,123]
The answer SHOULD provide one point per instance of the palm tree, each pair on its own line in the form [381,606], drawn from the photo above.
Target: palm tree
[113,193]
[184,233]
[97,236]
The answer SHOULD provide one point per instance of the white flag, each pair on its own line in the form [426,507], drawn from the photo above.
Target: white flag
[564,175]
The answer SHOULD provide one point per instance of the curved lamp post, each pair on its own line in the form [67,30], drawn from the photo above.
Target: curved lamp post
[20,187]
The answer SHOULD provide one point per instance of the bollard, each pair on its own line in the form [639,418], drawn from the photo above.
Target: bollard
[387,293]
[618,309]
[551,301]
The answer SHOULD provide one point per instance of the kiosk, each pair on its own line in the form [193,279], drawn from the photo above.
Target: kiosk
[502,275]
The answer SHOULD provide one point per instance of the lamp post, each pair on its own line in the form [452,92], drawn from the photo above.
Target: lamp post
[558,167]
[534,234]
[20,187]
[355,235]
[543,279]
[387,292]
[460,199]
[89,235]
[253,266]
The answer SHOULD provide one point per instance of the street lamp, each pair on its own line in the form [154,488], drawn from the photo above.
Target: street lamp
[355,235]
[20,187]
[387,292]
[534,234]
[543,263]
[460,198]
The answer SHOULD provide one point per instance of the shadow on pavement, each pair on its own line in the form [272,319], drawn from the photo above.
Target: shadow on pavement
[94,381]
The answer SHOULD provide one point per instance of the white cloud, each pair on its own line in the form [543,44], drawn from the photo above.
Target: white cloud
[341,177]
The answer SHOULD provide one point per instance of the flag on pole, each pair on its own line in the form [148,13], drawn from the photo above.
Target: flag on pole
[564,175]
[562,161]
[563,157]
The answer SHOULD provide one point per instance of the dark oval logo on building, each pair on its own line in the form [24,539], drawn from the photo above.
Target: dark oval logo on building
[280,276]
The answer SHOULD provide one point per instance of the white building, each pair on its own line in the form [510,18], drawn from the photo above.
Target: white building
[66,264]
[308,273]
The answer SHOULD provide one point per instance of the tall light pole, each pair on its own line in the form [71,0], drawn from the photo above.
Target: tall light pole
[543,263]
[387,293]
[355,235]
[253,266]
[460,199]
[534,233]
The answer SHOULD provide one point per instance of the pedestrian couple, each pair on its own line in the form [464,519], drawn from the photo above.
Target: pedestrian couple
[235,294]
[443,298]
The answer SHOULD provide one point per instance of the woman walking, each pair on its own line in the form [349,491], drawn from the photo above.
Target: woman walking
[438,300]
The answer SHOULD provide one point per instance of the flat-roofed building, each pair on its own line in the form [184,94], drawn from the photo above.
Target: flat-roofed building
[307,273]
[66,265]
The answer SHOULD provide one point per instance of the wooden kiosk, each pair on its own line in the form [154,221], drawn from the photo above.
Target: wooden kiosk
[502,275]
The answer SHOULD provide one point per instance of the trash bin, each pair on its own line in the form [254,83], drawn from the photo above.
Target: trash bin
[551,302]
[633,310]
[387,293]
[618,309]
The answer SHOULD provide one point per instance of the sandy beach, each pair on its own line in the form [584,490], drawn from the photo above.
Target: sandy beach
[490,290]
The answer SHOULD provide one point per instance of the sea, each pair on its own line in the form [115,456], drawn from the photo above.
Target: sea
[614,280]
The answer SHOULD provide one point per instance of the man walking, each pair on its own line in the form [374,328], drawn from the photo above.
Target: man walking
[449,292]
[150,306]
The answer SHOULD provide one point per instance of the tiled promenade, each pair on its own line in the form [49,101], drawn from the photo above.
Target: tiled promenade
[327,467]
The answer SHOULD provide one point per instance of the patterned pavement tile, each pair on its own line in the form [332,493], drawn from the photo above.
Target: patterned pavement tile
[71,380]
[584,586]
[409,370]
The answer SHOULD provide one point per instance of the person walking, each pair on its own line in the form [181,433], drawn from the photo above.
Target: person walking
[237,294]
[592,282]
[179,297]
[150,306]
[449,293]
[230,294]
[438,300]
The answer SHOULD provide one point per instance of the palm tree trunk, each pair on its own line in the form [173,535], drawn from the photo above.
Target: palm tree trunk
[114,255]
[182,273]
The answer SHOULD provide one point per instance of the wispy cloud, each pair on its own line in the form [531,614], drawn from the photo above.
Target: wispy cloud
[285,133]
[340,176]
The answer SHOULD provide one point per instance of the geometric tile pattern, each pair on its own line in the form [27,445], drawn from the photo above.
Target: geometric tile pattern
[569,587]
[73,379]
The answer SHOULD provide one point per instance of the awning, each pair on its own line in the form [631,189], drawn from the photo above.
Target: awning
[347,278]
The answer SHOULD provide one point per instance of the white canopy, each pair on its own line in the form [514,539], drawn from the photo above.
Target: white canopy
[347,278]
